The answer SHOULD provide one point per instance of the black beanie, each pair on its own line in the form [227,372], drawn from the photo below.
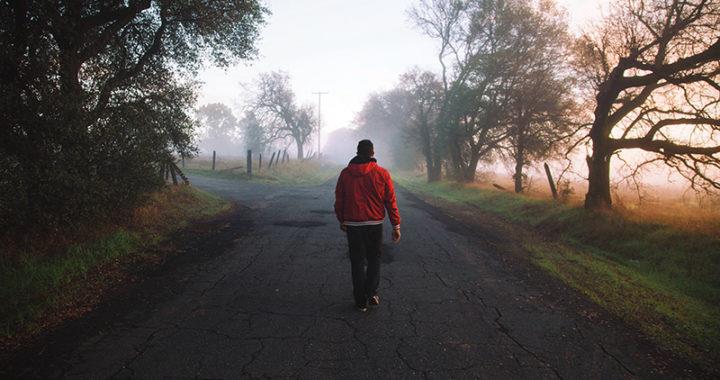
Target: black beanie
[365,148]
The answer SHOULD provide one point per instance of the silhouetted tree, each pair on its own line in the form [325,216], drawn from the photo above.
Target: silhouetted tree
[541,97]
[221,130]
[653,67]
[479,42]
[424,97]
[275,107]
[254,135]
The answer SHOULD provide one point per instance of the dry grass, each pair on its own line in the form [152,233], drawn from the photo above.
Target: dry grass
[292,173]
[686,211]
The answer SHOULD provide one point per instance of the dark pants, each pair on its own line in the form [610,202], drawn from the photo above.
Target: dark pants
[365,243]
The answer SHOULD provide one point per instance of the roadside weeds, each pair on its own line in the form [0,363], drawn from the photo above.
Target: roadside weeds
[40,291]
[636,271]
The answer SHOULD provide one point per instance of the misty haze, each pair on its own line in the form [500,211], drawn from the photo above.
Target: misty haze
[501,189]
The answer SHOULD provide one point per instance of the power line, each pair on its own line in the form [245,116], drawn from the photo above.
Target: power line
[319,94]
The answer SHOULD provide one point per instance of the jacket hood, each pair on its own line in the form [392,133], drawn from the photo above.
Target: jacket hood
[361,165]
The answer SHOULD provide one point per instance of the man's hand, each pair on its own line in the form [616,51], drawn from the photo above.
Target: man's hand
[343,227]
[396,235]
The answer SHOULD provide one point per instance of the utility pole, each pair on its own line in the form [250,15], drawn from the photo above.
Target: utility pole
[319,94]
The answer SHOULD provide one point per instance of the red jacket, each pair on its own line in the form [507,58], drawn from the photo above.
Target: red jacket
[364,191]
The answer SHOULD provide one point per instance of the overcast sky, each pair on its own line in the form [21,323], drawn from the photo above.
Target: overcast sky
[348,49]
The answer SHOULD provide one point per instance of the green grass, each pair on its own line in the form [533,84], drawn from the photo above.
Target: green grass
[30,285]
[294,173]
[34,284]
[662,279]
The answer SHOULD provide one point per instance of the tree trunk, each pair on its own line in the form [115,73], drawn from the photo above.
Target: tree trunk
[518,174]
[432,162]
[469,171]
[300,151]
[456,161]
[598,195]
[434,173]
[522,127]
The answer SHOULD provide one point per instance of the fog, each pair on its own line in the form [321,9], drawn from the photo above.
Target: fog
[354,53]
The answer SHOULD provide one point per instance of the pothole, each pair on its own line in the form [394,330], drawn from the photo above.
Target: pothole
[299,223]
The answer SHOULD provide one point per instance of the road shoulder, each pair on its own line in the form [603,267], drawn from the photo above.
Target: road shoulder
[509,241]
[157,273]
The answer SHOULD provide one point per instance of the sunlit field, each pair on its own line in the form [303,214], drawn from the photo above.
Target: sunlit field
[686,210]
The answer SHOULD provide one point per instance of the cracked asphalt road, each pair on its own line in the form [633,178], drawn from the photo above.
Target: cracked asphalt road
[276,301]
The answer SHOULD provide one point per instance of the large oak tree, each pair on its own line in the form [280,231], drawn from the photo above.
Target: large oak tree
[654,67]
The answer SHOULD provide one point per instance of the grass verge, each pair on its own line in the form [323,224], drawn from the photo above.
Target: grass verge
[662,279]
[38,289]
[294,173]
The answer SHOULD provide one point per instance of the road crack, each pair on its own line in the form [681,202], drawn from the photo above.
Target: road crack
[505,331]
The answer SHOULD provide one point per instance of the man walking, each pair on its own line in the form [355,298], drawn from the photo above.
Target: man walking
[364,191]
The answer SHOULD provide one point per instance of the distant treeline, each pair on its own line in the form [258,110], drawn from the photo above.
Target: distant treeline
[271,118]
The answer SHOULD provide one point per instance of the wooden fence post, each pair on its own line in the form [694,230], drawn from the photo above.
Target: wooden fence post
[259,162]
[285,156]
[172,173]
[271,160]
[213,164]
[249,162]
[181,174]
[551,182]
[182,158]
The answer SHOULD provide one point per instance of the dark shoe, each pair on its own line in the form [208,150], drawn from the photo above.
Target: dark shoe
[362,308]
[374,300]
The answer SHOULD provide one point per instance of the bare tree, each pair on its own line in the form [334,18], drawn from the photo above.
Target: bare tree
[277,110]
[653,67]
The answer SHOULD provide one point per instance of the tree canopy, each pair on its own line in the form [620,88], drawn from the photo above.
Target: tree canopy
[94,94]
[653,69]
[274,105]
